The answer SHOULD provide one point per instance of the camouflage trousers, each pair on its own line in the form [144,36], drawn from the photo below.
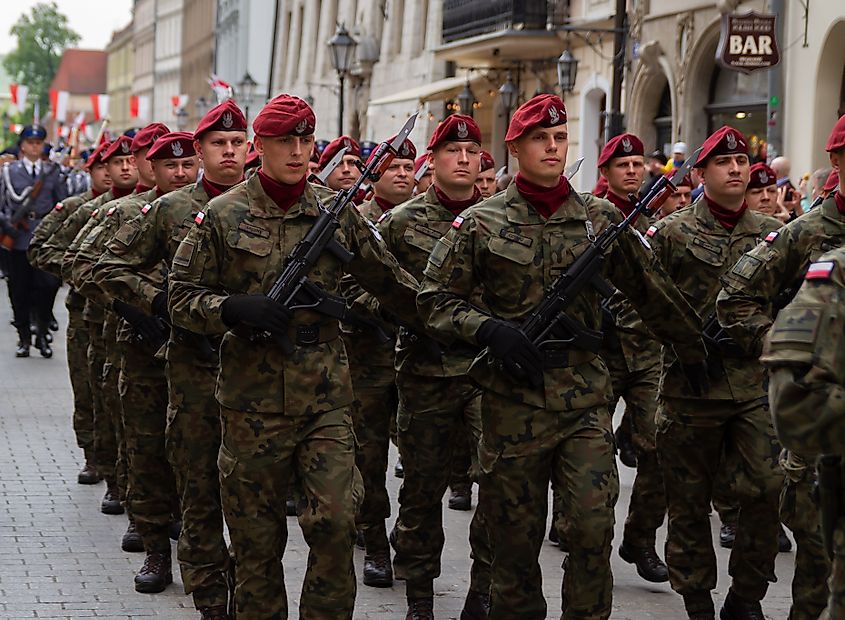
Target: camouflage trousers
[151,489]
[836,603]
[799,512]
[432,412]
[459,475]
[193,443]
[260,456]
[523,449]
[692,436]
[105,440]
[80,381]
[110,390]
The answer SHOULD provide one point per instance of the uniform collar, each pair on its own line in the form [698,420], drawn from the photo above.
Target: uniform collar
[519,211]
[28,164]
[261,205]
[748,224]
[434,211]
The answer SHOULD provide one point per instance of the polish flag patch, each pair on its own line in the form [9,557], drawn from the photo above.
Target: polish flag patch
[819,271]
[458,221]
[110,211]
[651,230]
[59,206]
[199,218]
[770,238]
[146,208]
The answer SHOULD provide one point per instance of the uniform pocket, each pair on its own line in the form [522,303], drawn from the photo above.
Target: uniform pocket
[226,462]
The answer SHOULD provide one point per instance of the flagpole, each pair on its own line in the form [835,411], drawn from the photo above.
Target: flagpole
[102,130]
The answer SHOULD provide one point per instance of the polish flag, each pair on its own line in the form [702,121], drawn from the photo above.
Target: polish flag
[79,121]
[58,104]
[19,94]
[100,106]
[139,107]
[179,102]
[222,89]
[819,271]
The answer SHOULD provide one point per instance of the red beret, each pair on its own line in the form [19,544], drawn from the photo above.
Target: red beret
[253,159]
[600,190]
[455,128]
[173,146]
[335,145]
[487,161]
[285,115]
[762,176]
[832,182]
[315,155]
[539,111]
[836,140]
[419,161]
[149,134]
[623,145]
[97,155]
[119,148]
[724,141]
[226,116]
[685,182]
[407,150]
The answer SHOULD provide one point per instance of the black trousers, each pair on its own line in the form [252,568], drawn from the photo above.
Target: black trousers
[32,293]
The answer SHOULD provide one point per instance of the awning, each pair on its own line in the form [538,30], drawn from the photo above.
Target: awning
[433,91]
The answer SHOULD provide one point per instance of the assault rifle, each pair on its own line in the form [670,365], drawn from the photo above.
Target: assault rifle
[292,288]
[549,325]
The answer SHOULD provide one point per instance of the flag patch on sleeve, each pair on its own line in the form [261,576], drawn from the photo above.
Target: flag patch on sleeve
[110,211]
[146,208]
[199,218]
[458,221]
[819,271]
[770,238]
[651,230]
[59,206]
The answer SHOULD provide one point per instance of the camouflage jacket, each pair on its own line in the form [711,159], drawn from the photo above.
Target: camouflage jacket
[767,277]
[52,221]
[238,245]
[504,248]
[410,231]
[805,354]
[696,250]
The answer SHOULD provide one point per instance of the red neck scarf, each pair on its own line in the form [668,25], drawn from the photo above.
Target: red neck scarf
[383,204]
[456,206]
[725,217]
[140,188]
[214,189]
[284,195]
[120,193]
[546,200]
[840,202]
[160,192]
[623,204]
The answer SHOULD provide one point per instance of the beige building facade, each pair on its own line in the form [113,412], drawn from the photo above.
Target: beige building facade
[120,77]
[143,43]
[197,57]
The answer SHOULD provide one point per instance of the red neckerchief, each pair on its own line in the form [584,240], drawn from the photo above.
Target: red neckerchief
[546,200]
[214,189]
[120,193]
[623,204]
[160,192]
[840,202]
[140,188]
[456,206]
[283,194]
[383,204]
[360,197]
[725,217]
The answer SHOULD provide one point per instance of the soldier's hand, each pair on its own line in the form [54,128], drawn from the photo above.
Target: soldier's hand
[160,306]
[146,326]
[697,376]
[258,311]
[518,354]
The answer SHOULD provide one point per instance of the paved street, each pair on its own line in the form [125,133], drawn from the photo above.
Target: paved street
[61,558]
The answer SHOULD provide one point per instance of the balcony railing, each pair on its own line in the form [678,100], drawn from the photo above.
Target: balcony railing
[468,18]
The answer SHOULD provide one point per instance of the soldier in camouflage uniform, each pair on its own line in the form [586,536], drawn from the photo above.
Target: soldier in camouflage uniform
[77,331]
[730,422]
[346,172]
[193,424]
[438,403]
[283,415]
[544,413]
[746,307]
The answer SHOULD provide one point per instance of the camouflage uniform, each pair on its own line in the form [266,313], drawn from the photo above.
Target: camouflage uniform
[805,354]
[562,431]
[745,307]
[437,401]
[282,416]
[693,432]
[77,332]
[193,416]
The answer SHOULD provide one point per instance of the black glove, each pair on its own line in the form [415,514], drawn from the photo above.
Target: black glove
[159,306]
[698,377]
[509,344]
[258,311]
[146,326]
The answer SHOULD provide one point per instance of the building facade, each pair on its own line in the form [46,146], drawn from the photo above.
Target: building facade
[120,74]
[143,44]
[199,18]
[168,62]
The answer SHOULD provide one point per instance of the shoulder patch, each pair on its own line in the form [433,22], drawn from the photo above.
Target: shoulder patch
[373,230]
[770,238]
[651,230]
[820,271]
[457,222]
[199,218]
[145,209]
[110,211]
[381,217]
[95,212]
[59,206]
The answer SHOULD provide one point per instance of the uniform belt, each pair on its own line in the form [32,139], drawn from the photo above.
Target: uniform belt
[313,333]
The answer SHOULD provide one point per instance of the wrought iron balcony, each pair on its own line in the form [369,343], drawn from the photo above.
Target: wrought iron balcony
[468,18]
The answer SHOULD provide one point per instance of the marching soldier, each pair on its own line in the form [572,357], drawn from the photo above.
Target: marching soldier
[680,198]
[284,415]
[423,182]
[545,415]
[347,172]
[762,193]
[486,181]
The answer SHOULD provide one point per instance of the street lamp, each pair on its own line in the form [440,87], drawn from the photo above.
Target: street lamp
[202,107]
[181,119]
[509,95]
[342,47]
[466,99]
[567,70]
[246,88]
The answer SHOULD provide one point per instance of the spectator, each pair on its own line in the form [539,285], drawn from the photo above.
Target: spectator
[679,156]
[654,164]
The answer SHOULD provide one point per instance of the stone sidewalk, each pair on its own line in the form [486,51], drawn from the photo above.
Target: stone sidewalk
[61,558]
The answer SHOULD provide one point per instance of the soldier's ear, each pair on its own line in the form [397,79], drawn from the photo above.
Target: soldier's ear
[259,145]
[836,158]
[512,149]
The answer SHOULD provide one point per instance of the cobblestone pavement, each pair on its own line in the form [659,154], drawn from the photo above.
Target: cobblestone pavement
[61,558]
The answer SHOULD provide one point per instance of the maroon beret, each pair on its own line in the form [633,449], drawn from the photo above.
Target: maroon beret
[148,135]
[419,161]
[724,141]
[539,111]
[455,128]
[762,176]
[487,161]
[173,146]
[119,148]
[335,145]
[836,140]
[685,182]
[253,159]
[285,115]
[832,182]
[97,155]
[624,145]
[600,190]
[226,116]
[407,150]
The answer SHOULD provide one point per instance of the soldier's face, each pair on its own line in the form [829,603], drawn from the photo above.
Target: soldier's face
[345,175]
[397,182]
[425,182]
[624,174]
[456,164]
[223,155]
[837,158]
[145,167]
[541,154]
[122,171]
[313,167]
[171,174]
[726,177]
[285,158]
[31,148]
[100,179]
[763,199]
[679,199]
[486,183]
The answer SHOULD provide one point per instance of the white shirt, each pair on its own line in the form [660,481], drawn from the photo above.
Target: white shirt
[29,165]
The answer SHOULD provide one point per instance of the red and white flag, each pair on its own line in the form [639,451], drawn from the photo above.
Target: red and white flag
[58,104]
[222,89]
[19,94]
[178,102]
[79,122]
[100,106]
[139,107]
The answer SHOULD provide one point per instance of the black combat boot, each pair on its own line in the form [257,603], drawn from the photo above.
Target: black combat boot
[218,612]
[88,474]
[699,606]
[132,541]
[738,608]
[378,571]
[290,505]
[420,608]
[625,445]
[476,606]
[111,501]
[359,539]
[649,565]
[155,575]
[727,535]
[460,498]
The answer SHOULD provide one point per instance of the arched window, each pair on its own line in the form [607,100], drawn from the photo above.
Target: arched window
[739,100]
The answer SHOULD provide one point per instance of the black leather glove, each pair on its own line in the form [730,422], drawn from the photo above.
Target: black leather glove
[146,326]
[258,311]
[698,377]
[509,344]
[159,306]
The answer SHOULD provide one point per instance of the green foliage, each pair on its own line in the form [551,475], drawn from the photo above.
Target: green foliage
[42,37]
